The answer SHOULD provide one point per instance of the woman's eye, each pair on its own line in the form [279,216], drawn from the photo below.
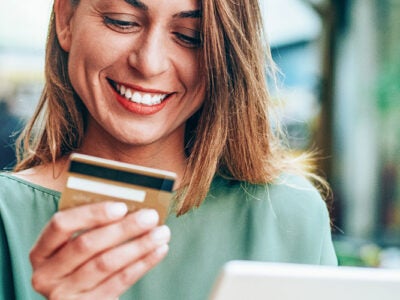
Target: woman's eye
[188,41]
[121,24]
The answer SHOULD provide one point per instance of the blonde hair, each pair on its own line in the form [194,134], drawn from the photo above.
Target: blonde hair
[230,135]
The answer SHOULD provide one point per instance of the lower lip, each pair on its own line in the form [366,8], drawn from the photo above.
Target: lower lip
[140,109]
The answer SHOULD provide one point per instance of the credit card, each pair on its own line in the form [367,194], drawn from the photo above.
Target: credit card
[92,179]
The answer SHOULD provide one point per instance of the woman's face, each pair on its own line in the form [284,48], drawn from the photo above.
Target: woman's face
[135,65]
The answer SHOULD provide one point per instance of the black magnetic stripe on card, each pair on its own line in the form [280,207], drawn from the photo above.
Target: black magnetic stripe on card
[163,184]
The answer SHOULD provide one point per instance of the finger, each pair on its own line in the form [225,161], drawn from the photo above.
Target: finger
[105,264]
[64,223]
[79,250]
[122,280]
[59,230]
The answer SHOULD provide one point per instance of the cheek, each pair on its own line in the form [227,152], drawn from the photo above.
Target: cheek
[86,55]
[193,76]
[93,48]
[87,59]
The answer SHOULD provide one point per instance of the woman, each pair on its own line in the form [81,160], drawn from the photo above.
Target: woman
[177,85]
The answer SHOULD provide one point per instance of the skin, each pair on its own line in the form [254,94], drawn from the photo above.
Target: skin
[155,52]
[135,58]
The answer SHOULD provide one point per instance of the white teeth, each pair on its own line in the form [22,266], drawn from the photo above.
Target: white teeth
[136,97]
[146,98]
[123,89]
[156,99]
[141,98]
[128,93]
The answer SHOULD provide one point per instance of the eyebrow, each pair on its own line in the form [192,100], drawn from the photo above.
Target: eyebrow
[138,4]
[188,14]
[184,14]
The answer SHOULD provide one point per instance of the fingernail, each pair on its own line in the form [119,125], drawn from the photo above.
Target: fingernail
[117,209]
[147,217]
[161,235]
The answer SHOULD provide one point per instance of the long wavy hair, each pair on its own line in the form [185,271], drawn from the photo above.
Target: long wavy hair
[231,135]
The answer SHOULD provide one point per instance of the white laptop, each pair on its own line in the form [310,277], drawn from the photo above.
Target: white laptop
[247,280]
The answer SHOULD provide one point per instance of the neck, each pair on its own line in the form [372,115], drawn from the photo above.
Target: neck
[167,154]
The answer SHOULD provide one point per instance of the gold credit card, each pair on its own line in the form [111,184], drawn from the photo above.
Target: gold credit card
[93,179]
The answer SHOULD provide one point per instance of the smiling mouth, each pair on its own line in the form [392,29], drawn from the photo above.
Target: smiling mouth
[139,97]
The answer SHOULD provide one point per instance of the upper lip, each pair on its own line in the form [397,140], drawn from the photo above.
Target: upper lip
[138,88]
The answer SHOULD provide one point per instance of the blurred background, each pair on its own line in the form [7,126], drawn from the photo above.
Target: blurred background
[340,89]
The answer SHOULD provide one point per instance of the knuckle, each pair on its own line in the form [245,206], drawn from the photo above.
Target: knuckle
[150,260]
[32,257]
[147,244]
[154,258]
[83,243]
[103,264]
[126,277]
[57,223]
[56,295]
[99,210]
[130,226]
[39,283]
[142,246]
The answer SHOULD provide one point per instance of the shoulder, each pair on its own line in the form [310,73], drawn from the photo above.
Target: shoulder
[25,208]
[298,193]
[49,176]
[20,195]
[288,191]
[13,184]
[291,202]
[287,220]
[9,184]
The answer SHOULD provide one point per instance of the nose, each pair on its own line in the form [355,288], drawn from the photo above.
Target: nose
[150,56]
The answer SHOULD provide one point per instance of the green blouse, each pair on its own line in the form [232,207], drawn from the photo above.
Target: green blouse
[282,222]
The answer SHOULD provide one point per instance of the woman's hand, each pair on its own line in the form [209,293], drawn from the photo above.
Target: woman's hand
[114,250]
